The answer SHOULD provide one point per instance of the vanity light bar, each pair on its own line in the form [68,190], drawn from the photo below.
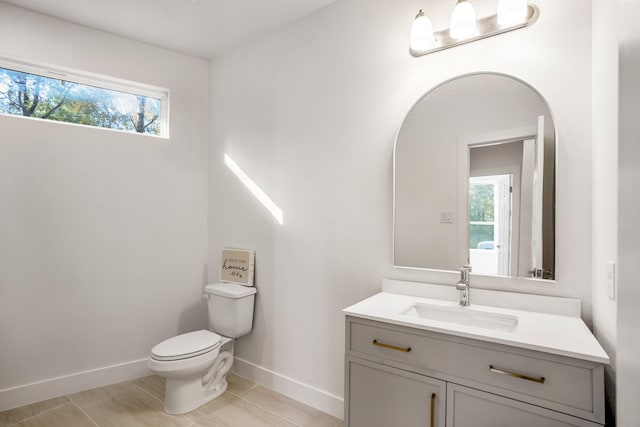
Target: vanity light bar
[487,27]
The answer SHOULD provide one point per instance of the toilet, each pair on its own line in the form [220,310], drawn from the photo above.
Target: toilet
[195,364]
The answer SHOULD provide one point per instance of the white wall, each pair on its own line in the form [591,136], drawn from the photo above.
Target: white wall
[605,178]
[102,234]
[311,111]
[628,345]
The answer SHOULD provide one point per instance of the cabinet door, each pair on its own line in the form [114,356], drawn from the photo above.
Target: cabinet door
[468,407]
[381,396]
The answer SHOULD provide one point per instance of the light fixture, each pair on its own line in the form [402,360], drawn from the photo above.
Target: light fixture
[465,28]
[421,32]
[463,20]
[512,12]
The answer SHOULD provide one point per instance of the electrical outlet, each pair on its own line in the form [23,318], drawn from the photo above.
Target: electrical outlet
[611,279]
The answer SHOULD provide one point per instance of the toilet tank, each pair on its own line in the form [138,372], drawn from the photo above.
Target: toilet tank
[230,308]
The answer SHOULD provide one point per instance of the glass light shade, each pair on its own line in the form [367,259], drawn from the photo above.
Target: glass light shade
[421,33]
[511,12]
[463,20]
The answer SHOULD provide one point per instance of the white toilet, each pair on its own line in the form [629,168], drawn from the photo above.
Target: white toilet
[195,364]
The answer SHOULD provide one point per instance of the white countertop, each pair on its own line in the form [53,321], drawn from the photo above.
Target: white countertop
[564,335]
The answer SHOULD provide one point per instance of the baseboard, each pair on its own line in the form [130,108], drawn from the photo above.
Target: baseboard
[42,390]
[309,395]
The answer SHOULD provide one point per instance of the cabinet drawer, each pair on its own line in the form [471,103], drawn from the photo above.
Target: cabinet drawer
[467,407]
[554,383]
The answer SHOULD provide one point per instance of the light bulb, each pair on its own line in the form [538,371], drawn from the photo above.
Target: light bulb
[421,33]
[463,20]
[511,12]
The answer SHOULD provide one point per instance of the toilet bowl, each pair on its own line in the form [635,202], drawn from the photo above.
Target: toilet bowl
[195,364]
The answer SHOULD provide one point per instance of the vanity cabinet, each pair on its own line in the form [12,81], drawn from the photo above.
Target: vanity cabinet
[384,396]
[468,407]
[393,372]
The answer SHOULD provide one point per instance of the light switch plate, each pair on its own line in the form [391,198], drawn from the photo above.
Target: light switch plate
[446,217]
[611,279]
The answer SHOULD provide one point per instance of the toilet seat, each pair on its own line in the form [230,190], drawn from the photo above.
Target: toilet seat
[187,345]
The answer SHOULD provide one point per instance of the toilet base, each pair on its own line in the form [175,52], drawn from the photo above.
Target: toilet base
[186,395]
[183,395]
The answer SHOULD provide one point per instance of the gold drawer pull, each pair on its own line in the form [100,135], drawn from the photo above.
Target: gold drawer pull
[392,347]
[433,408]
[516,375]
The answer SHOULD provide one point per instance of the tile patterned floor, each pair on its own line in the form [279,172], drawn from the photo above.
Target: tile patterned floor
[139,403]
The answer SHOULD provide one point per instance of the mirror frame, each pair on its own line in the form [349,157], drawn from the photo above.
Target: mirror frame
[555,216]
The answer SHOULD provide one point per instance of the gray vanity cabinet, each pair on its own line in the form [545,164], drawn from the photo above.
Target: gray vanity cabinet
[380,396]
[394,375]
[468,407]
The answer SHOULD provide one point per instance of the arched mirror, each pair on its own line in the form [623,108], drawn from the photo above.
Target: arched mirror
[474,179]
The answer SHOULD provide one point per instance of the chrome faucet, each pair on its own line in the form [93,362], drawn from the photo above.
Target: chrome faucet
[463,285]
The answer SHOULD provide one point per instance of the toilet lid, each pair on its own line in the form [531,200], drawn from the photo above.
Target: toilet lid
[230,290]
[186,345]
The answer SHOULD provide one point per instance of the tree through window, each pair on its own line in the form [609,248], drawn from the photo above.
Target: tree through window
[33,95]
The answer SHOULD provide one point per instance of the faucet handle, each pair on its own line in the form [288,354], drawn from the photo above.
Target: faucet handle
[464,272]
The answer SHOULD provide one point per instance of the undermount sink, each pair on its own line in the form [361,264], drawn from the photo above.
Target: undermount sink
[467,316]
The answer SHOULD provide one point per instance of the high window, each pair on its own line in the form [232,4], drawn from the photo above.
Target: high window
[45,93]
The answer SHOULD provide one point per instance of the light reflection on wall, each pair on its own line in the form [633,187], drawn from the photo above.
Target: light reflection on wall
[255,189]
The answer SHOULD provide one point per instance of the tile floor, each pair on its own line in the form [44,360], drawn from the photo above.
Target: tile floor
[139,403]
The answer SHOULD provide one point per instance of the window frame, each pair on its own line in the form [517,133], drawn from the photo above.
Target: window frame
[94,80]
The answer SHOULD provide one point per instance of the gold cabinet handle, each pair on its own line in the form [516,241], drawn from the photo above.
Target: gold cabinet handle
[392,347]
[433,408]
[516,375]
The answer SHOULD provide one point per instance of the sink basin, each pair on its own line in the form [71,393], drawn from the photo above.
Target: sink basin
[467,316]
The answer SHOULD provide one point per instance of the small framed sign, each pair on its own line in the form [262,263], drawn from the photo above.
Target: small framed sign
[237,266]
